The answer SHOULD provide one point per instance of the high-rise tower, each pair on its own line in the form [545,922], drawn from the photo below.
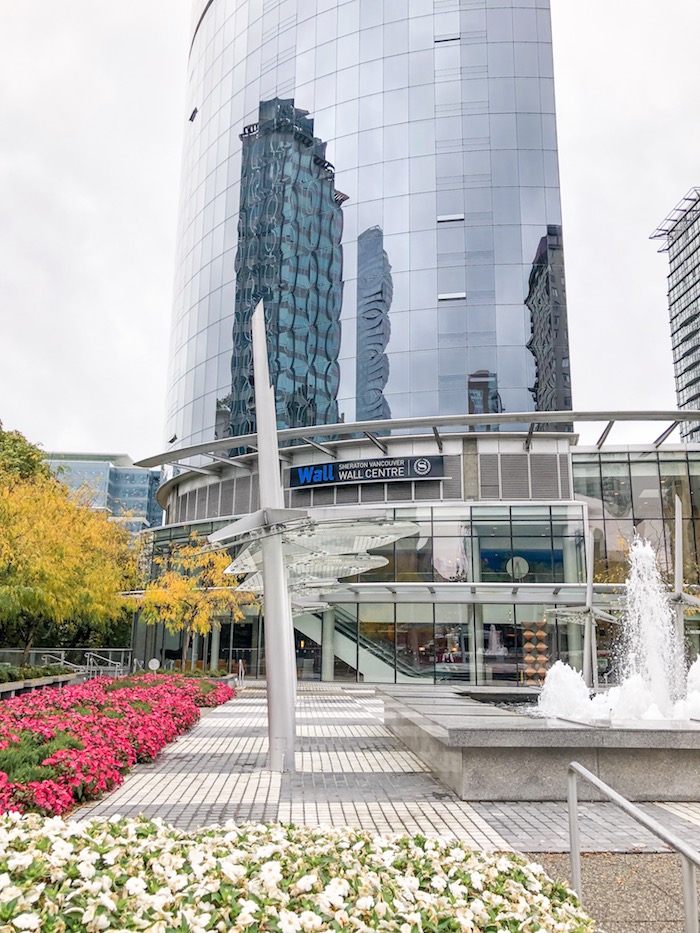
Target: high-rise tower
[681,233]
[437,122]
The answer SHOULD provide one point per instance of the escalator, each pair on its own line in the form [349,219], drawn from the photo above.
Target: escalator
[374,661]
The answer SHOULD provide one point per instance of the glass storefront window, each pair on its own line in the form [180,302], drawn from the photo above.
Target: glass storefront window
[452,560]
[618,536]
[495,553]
[415,652]
[617,491]
[376,639]
[497,644]
[646,492]
[532,562]
[415,641]
[587,486]
[454,643]
[674,482]
[414,559]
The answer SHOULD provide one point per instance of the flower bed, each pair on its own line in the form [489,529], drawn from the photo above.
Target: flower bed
[62,747]
[143,875]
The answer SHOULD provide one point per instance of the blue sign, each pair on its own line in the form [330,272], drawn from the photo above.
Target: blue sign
[382,470]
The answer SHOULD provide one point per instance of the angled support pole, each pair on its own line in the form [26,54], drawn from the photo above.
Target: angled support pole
[666,434]
[328,451]
[528,439]
[604,436]
[280,655]
[377,443]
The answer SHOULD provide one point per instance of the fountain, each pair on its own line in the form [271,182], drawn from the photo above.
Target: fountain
[653,685]
[641,736]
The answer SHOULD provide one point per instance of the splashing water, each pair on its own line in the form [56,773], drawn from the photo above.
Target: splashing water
[653,683]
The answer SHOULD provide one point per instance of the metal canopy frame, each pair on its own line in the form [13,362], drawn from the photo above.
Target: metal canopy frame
[395,429]
[564,596]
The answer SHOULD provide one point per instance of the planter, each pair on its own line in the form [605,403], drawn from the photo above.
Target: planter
[15,687]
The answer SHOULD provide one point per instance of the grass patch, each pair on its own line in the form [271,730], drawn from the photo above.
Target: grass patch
[21,761]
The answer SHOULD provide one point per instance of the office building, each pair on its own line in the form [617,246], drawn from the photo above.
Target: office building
[111,482]
[320,135]
[680,232]
[384,176]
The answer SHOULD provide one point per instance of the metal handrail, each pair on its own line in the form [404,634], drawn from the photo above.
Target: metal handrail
[59,660]
[93,659]
[690,857]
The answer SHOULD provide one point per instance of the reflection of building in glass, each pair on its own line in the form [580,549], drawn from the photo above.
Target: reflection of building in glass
[483,393]
[549,343]
[289,255]
[222,426]
[681,231]
[452,153]
[375,290]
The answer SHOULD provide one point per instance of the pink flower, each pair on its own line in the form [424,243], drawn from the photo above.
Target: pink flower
[113,723]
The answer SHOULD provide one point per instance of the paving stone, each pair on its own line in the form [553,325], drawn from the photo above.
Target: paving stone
[352,770]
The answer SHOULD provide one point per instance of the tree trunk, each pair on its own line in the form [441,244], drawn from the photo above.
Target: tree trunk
[28,642]
[185,650]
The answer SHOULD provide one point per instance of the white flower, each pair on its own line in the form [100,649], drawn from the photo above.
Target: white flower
[477,880]
[289,922]
[364,903]
[27,922]
[306,883]
[61,848]
[9,893]
[20,861]
[232,870]
[310,921]
[4,880]
[270,873]
[135,886]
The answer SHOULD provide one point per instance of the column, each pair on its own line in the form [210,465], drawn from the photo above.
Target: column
[571,549]
[215,647]
[328,646]
[195,649]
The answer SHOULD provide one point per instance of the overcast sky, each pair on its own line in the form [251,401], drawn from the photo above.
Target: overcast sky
[91,117]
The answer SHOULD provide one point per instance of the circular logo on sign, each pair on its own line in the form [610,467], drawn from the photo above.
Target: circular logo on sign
[422,466]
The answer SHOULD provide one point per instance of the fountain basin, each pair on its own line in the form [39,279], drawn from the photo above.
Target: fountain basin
[484,752]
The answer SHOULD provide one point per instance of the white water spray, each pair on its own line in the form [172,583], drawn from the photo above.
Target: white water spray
[653,683]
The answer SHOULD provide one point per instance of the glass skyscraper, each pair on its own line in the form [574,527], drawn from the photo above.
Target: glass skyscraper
[384,174]
[681,233]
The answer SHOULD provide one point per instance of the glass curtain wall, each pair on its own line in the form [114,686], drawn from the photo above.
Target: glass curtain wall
[630,492]
[489,544]
[432,159]
[454,642]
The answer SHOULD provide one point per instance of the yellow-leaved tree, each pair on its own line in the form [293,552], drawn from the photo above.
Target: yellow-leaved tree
[191,591]
[62,565]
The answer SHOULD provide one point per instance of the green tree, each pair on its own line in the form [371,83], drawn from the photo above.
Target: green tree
[191,591]
[18,458]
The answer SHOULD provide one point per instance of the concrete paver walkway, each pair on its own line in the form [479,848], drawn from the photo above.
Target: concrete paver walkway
[352,771]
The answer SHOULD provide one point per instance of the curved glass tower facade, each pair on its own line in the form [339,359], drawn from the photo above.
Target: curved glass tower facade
[383,173]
